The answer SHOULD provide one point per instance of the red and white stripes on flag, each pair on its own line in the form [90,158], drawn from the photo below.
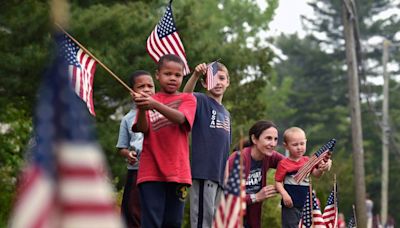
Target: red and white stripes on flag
[65,184]
[81,69]
[311,215]
[314,160]
[82,79]
[164,39]
[85,195]
[330,214]
[233,203]
[212,70]
[35,188]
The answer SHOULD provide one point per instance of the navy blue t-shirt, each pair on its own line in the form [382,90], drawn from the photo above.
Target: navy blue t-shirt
[211,139]
[254,179]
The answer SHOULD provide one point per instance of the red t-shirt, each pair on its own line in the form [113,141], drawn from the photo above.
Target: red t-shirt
[287,166]
[165,154]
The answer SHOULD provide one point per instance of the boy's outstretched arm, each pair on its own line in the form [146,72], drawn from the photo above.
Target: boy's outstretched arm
[287,200]
[200,69]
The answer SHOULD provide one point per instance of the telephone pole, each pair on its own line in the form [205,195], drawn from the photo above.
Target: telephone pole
[385,134]
[349,15]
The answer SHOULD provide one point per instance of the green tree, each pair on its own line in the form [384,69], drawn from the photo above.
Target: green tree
[116,33]
[316,64]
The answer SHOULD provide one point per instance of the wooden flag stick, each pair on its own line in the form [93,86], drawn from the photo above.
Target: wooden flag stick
[334,191]
[311,202]
[241,176]
[354,214]
[101,64]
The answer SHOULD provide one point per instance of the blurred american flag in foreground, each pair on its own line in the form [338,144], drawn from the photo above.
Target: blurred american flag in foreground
[65,183]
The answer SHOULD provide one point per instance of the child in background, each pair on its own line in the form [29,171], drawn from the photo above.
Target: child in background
[294,194]
[211,139]
[164,171]
[129,146]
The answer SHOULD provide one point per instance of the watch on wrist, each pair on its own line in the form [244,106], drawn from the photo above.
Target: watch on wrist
[253,198]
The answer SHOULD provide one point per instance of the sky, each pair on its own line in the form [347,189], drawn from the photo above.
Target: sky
[287,16]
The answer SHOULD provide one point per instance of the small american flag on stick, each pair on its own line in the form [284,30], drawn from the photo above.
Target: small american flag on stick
[314,160]
[212,70]
[311,215]
[164,39]
[331,210]
[353,220]
[81,69]
[233,204]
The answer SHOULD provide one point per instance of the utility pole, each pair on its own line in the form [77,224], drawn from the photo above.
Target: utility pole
[349,15]
[385,135]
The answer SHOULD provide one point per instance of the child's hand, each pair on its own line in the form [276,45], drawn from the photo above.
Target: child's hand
[200,69]
[134,95]
[325,165]
[328,156]
[144,101]
[132,157]
[287,200]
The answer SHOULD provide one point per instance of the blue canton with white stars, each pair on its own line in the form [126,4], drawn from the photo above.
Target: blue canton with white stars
[166,26]
[307,210]
[328,146]
[331,199]
[233,185]
[69,50]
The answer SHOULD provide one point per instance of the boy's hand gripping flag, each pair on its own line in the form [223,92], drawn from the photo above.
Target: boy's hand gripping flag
[233,203]
[314,160]
[164,39]
[65,183]
[81,68]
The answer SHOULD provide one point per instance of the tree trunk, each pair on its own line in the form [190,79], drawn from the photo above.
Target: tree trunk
[348,16]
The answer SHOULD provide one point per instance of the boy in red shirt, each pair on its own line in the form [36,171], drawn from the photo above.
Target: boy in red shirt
[164,170]
[294,194]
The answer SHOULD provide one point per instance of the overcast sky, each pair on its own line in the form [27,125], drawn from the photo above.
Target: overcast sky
[287,17]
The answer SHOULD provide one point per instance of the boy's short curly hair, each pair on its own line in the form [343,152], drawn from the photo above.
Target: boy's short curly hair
[169,58]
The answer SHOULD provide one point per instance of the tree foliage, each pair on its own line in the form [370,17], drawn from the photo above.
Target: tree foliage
[316,64]
[116,32]
[307,89]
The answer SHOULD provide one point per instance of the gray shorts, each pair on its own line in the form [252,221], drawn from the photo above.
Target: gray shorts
[291,217]
[205,196]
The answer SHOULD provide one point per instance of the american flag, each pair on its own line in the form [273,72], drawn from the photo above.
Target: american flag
[314,160]
[81,68]
[164,39]
[233,204]
[330,214]
[212,70]
[64,184]
[351,223]
[311,215]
